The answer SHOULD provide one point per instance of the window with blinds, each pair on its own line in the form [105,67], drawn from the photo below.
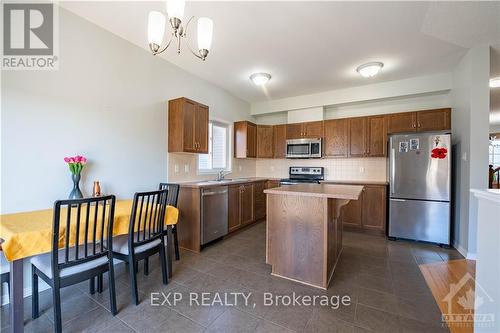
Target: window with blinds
[218,149]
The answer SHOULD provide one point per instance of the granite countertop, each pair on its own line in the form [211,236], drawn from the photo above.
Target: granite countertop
[349,192]
[356,182]
[229,181]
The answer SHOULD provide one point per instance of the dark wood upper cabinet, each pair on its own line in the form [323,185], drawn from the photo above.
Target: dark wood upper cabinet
[335,139]
[294,131]
[374,207]
[264,141]
[246,204]
[279,141]
[201,128]
[313,129]
[434,120]
[357,136]
[245,139]
[376,145]
[402,122]
[234,221]
[419,121]
[187,126]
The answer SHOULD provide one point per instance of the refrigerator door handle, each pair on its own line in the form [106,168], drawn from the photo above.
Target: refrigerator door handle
[400,200]
[393,168]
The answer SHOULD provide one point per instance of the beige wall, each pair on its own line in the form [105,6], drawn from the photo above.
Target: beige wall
[240,168]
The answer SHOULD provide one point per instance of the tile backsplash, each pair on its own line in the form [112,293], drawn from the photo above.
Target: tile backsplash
[183,167]
[373,168]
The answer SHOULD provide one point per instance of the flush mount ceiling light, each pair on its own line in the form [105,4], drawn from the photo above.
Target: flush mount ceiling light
[175,12]
[260,78]
[370,69]
[495,83]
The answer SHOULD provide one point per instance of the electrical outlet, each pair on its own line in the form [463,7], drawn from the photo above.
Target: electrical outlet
[361,169]
[464,156]
[186,168]
[240,168]
[176,168]
[272,168]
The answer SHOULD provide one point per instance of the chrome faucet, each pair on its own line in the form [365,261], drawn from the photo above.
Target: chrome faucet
[220,175]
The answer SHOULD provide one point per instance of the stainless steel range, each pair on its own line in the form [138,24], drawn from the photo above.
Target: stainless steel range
[300,175]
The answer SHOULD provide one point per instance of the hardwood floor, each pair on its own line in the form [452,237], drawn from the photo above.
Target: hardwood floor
[452,285]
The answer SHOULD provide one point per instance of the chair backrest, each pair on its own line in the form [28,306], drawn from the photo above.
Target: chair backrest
[82,229]
[173,193]
[147,217]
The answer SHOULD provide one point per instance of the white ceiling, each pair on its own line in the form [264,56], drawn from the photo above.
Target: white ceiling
[314,46]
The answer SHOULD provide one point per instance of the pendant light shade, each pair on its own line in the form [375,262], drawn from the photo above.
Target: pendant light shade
[175,9]
[156,27]
[205,31]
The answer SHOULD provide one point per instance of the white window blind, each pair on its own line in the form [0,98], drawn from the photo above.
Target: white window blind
[218,150]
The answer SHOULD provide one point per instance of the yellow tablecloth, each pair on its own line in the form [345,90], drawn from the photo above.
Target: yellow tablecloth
[30,233]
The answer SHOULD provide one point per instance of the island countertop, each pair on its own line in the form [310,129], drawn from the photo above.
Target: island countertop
[348,192]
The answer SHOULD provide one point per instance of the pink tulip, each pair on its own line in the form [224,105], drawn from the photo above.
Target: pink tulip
[71,160]
[66,159]
[83,160]
[78,158]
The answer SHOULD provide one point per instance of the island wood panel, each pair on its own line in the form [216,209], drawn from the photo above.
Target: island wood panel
[335,141]
[279,141]
[188,226]
[301,256]
[264,141]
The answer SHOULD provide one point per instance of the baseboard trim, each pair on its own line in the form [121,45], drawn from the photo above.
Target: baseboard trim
[26,292]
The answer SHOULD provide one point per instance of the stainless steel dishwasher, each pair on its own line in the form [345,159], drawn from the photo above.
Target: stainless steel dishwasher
[214,216]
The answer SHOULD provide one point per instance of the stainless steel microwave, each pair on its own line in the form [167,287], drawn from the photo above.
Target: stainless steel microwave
[303,148]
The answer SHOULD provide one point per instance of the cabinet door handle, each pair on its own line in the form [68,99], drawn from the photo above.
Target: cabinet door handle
[414,125]
[419,125]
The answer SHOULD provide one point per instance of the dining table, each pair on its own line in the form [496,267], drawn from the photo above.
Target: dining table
[27,234]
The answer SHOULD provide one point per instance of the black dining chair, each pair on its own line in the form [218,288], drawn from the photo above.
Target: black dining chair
[173,196]
[4,273]
[145,237]
[81,250]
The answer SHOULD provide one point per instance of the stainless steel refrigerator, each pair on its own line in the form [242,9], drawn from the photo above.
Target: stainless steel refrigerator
[420,187]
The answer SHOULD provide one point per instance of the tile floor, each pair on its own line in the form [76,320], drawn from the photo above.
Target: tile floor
[382,278]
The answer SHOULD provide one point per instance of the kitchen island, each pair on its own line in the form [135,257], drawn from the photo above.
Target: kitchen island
[304,234]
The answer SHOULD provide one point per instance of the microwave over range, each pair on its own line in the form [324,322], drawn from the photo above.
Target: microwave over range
[303,148]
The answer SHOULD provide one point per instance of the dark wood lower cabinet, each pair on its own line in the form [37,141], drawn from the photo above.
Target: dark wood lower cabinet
[374,208]
[234,221]
[369,212]
[246,204]
[259,202]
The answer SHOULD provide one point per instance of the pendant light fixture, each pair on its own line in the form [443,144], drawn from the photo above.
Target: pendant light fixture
[175,12]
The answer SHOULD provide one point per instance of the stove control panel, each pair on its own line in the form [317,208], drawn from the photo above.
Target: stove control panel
[316,171]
